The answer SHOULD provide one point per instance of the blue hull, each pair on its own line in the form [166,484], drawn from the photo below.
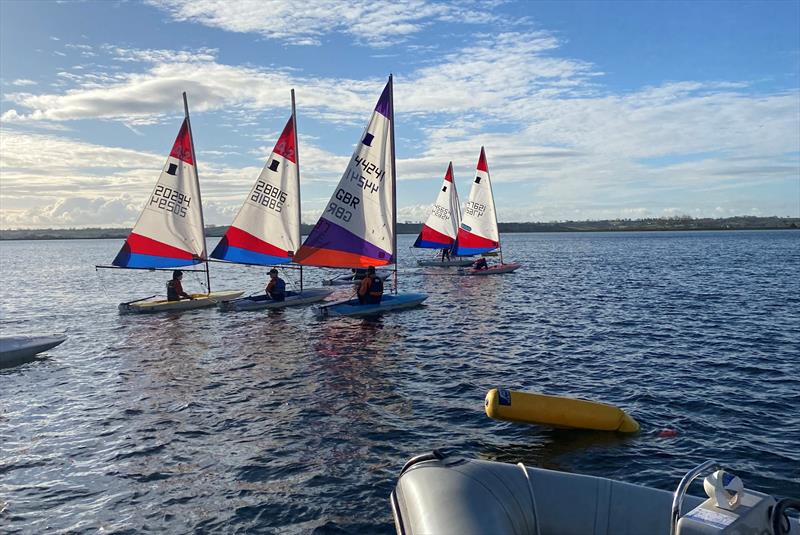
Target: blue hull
[353,308]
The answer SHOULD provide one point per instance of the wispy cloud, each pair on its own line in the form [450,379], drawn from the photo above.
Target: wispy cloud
[23,82]
[375,23]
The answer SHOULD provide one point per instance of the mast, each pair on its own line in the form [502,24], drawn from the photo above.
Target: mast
[494,208]
[199,199]
[394,184]
[297,164]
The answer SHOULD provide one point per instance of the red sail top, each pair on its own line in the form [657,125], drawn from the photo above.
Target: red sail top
[182,149]
[482,166]
[285,145]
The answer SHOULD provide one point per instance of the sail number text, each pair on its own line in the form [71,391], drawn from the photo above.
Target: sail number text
[268,195]
[366,182]
[474,209]
[170,200]
[340,211]
[441,213]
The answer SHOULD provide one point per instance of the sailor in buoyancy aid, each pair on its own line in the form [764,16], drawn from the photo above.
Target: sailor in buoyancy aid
[480,264]
[175,288]
[276,288]
[371,289]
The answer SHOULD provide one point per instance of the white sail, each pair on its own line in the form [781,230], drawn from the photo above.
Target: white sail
[478,230]
[357,227]
[169,231]
[267,228]
[441,227]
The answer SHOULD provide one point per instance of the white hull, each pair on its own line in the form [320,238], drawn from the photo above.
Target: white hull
[492,270]
[453,262]
[311,295]
[18,349]
[349,280]
[352,308]
[162,305]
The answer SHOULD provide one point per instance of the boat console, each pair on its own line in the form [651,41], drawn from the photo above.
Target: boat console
[730,508]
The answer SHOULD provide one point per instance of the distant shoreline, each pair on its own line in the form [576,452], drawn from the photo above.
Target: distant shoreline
[615,225]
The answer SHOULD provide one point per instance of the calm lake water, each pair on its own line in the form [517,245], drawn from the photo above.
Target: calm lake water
[276,422]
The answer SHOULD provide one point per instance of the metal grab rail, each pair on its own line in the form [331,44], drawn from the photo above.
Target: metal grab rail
[683,486]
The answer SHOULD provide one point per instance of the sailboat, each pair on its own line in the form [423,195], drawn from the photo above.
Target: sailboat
[266,231]
[478,233]
[359,225]
[441,228]
[170,231]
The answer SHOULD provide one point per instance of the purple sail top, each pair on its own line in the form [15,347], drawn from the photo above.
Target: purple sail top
[384,106]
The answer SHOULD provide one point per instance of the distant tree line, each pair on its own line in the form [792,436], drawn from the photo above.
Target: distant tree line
[662,223]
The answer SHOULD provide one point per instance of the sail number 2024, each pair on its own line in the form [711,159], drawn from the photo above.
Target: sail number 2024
[340,211]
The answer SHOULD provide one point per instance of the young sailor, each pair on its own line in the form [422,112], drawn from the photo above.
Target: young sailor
[276,288]
[175,288]
[480,264]
[371,289]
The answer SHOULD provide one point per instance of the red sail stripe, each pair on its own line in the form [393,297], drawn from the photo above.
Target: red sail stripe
[244,240]
[449,174]
[429,234]
[143,245]
[468,239]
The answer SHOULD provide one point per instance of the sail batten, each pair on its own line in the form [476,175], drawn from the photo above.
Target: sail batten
[266,230]
[478,231]
[169,231]
[357,227]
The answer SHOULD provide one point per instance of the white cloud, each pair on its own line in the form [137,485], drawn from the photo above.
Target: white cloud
[23,82]
[375,23]
[74,212]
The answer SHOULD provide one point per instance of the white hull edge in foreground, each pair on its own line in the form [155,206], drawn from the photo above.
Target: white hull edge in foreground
[352,308]
[260,302]
[348,279]
[18,349]
[439,494]
[162,305]
[492,270]
[454,262]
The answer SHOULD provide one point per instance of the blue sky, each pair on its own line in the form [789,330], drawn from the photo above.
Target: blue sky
[587,110]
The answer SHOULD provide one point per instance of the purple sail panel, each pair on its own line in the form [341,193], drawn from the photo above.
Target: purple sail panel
[327,235]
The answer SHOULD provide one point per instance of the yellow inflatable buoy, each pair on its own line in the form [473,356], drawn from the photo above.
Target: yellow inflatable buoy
[530,408]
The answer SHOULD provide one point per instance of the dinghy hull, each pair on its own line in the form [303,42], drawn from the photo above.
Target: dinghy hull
[455,262]
[261,302]
[352,308]
[492,270]
[162,305]
[18,349]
